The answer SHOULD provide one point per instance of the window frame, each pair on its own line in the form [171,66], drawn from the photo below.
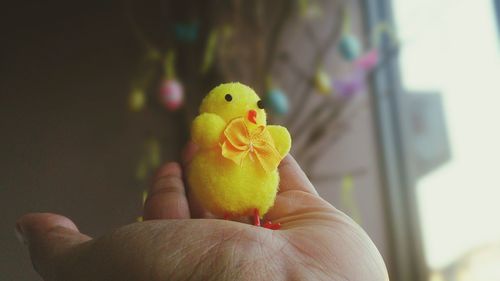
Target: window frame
[496,5]
[407,261]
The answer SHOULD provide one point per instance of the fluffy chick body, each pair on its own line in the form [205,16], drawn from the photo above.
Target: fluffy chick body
[219,184]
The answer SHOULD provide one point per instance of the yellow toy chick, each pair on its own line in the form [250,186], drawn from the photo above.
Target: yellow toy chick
[234,173]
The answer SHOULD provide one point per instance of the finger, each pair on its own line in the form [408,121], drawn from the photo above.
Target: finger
[50,238]
[296,205]
[167,197]
[197,211]
[293,178]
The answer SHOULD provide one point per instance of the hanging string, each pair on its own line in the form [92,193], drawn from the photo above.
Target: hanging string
[169,65]
[208,57]
[151,50]
[346,20]
[332,39]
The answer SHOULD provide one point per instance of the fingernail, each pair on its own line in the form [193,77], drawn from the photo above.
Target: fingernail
[20,235]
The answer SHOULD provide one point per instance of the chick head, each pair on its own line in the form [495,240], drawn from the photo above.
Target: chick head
[233,100]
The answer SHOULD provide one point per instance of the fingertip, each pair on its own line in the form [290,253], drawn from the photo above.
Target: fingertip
[287,160]
[33,224]
[167,195]
[292,177]
[48,237]
[168,169]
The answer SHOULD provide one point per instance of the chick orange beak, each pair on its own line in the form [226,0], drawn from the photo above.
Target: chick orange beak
[252,116]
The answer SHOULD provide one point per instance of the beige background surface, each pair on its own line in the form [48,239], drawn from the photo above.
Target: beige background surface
[69,145]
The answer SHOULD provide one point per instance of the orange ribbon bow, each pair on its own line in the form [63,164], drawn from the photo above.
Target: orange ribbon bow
[240,142]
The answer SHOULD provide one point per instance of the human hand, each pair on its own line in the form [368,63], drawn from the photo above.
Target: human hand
[316,241]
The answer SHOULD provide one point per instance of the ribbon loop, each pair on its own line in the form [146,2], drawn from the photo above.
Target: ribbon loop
[240,142]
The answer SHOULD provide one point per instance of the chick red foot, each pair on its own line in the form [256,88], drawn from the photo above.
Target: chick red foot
[270,225]
[267,224]
[257,222]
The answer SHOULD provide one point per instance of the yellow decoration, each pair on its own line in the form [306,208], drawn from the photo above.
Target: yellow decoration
[137,100]
[348,200]
[208,58]
[241,142]
[169,65]
[235,170]
[323,83]
[154,151]
[142,169]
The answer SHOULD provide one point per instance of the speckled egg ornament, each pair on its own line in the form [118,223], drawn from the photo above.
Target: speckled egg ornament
[276,101]
[171,94]
[186,32]
[349,47]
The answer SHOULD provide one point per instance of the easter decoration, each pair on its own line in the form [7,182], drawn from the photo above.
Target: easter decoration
[323,82]
[193,46]
[171,91]
[349,46]
[347,197]
[350,85]
[137,100]
[186,32]
[276,101]
[171,94]
[234,173]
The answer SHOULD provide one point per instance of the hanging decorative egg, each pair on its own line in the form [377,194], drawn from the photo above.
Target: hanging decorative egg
[186,32]
[350,85]
[349,47]
[136,100]
[276,101]
[171,94]
[368,61]
[322,82]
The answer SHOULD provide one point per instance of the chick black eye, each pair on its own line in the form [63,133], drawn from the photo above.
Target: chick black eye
[228,97]
[260,104]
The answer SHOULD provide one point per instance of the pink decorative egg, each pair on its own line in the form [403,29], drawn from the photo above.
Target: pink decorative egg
[368,61]
[171,94]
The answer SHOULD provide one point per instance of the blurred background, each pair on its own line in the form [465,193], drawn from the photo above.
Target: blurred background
[392,106]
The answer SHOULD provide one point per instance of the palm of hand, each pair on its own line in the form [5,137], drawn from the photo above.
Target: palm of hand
[316,242]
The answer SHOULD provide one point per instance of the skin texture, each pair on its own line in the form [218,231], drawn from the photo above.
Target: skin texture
[179,241]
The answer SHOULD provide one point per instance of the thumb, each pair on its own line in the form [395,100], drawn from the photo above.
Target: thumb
[50,238]
[292,177]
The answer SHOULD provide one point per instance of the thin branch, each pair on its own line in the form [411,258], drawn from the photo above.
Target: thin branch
[316,151]
[317,61]
[275,34]
[355,173]
[311,123]
[139,35]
